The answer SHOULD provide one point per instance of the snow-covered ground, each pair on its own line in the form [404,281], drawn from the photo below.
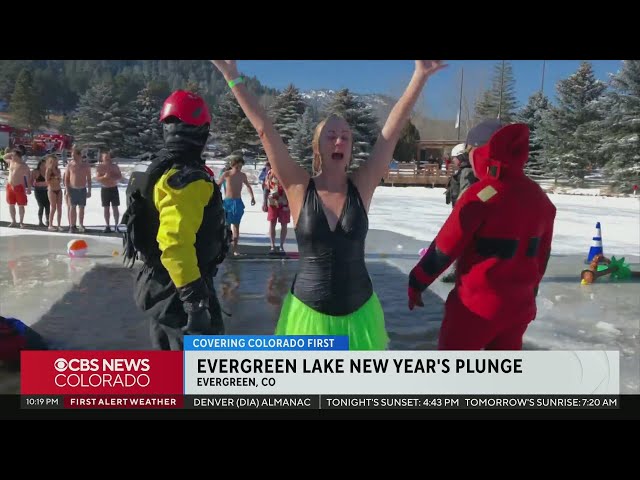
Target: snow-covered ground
[420,212]
[570,316]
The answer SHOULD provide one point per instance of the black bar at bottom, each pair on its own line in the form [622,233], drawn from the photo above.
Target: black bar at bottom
[252,402]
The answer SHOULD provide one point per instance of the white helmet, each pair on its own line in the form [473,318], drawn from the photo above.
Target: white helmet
[458,150]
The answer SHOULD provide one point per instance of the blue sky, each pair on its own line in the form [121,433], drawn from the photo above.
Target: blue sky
[440,98]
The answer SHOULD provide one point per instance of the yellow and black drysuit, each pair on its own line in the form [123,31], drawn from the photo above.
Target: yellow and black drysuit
[176,226]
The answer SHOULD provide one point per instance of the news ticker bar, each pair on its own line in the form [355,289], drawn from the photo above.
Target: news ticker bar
[321,402]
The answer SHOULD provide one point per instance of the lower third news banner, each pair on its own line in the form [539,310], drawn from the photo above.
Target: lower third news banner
[309,372]
[316,372]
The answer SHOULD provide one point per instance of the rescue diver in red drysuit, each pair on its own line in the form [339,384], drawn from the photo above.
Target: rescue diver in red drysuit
[501,231]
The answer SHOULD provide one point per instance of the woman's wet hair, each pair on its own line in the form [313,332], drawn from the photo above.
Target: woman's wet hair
[317,158]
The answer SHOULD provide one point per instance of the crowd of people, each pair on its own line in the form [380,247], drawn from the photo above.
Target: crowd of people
[50,187]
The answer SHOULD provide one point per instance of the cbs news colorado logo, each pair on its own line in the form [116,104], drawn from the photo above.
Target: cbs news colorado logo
[110,372]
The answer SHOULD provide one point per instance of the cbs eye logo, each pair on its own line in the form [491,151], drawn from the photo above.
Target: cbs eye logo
[61,364]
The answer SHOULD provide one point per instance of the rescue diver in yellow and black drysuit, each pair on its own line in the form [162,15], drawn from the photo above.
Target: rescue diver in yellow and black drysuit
[176,226]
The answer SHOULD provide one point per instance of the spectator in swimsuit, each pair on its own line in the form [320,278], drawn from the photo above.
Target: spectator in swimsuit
[77,181]
[54,190]
[234,179]
[277,211]
[40,189]
[332,293]
[18,186]
[108,174]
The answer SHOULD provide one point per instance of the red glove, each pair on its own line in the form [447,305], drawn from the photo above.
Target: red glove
[415,298]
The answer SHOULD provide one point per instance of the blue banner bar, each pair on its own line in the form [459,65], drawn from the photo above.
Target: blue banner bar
[265,342]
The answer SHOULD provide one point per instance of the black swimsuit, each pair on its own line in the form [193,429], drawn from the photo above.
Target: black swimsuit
[39,179]
[332,277]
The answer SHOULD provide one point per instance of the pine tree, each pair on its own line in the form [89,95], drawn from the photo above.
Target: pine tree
[9,71]
[192,84]
[231,128]
[492,103]
[531,114]
[126,88]
[26,107]
[100,121]
[566,131]
[314,113]
[66,126]
[145,132]
[301,145]
[60,83]
[406,148]
[228,114]
[285,112]
[159,89]
[48,88]
[362,121]
[620,127]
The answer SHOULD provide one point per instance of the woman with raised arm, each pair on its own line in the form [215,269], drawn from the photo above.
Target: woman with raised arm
[332,293]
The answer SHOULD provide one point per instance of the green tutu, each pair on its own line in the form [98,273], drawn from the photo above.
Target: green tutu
[364,327]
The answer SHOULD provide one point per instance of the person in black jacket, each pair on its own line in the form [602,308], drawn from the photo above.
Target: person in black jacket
[462,179]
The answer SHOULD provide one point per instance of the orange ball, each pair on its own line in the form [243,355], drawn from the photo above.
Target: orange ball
[77,248]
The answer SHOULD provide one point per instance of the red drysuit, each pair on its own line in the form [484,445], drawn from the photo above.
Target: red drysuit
[500,231]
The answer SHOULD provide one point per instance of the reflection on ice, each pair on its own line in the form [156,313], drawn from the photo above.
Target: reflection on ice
[87,302]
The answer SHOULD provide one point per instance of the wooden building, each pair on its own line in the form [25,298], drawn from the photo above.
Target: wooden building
[428,167]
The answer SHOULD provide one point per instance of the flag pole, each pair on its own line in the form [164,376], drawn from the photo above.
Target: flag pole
[501,89]
[460,104]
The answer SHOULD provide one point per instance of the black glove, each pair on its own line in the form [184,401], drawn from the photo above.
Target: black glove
[195,302]
[199,323]
[194,292]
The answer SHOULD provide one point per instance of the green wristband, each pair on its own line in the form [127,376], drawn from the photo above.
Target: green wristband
[234,82]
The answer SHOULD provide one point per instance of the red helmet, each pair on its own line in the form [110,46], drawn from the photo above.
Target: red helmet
[187,107]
